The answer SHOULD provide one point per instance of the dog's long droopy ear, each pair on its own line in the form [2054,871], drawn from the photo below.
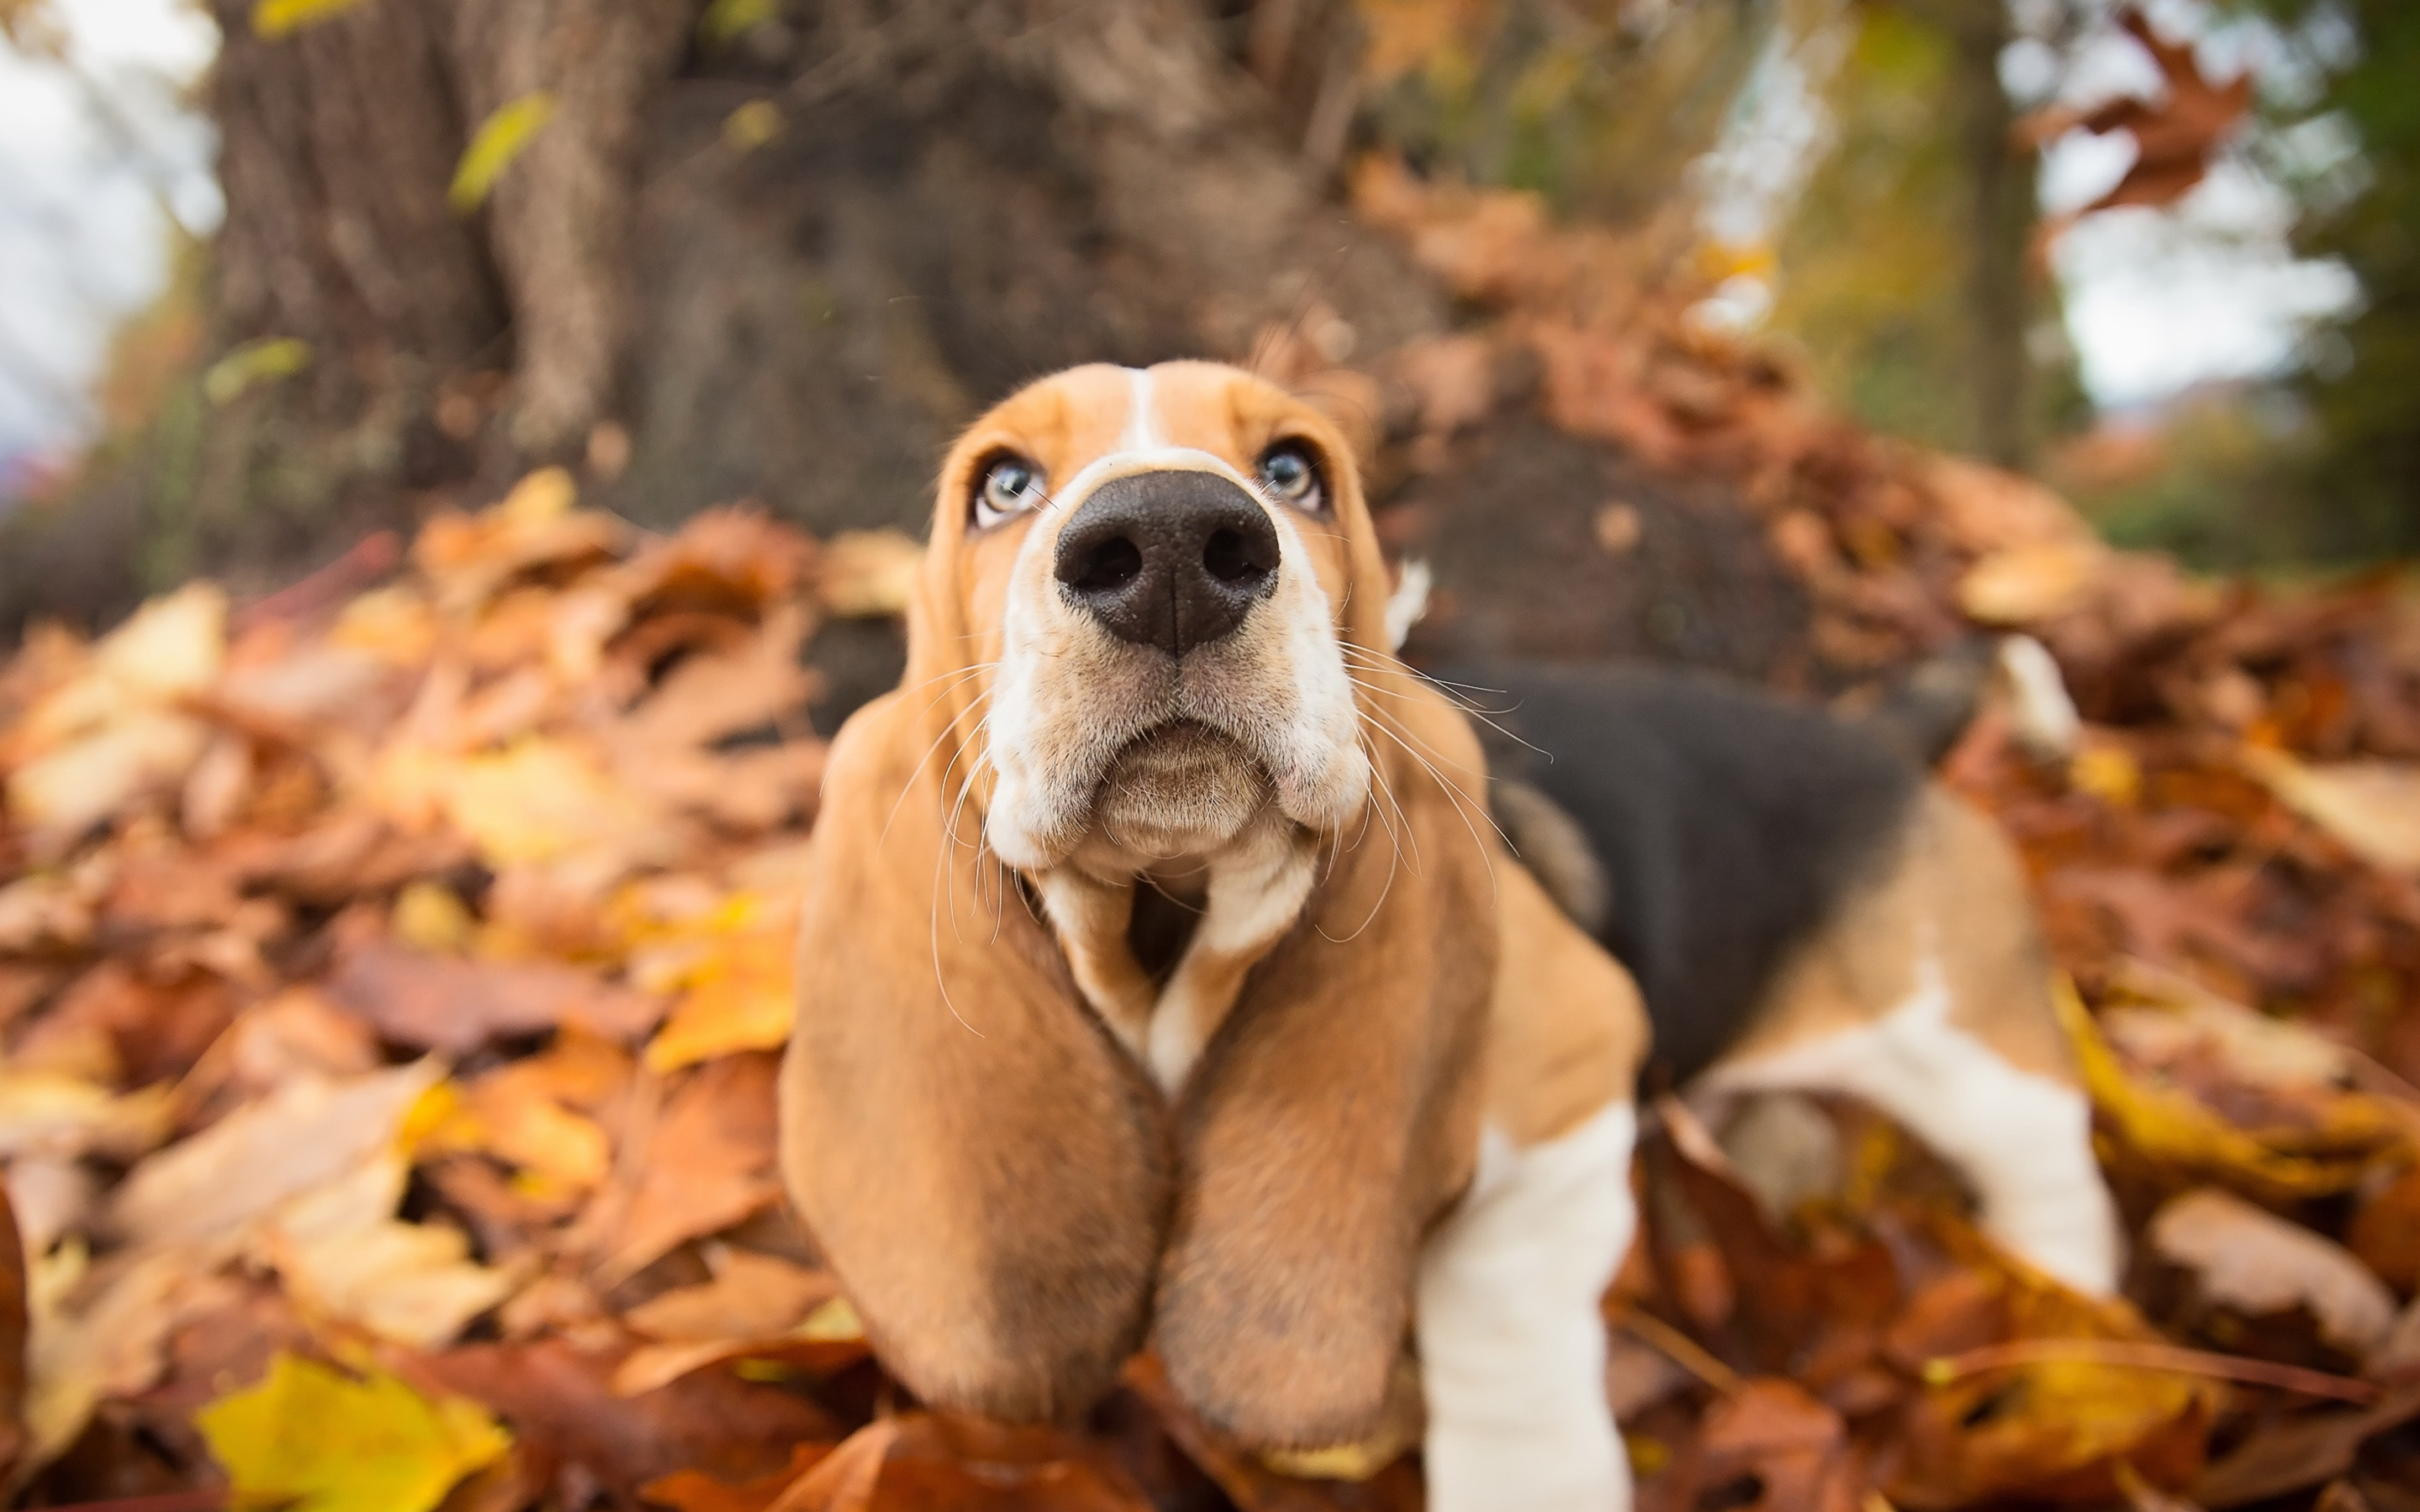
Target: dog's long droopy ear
[1334,1116]
[983,1169]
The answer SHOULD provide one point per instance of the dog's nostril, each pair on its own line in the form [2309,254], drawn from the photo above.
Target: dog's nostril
[1230,558]
[1109,565]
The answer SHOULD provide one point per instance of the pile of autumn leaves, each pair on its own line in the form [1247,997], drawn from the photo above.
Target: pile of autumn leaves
[392,972]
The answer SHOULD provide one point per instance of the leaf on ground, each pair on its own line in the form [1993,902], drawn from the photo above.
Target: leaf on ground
[301,1136]
[708,1164]
[2288,1453]
[2172,1128]
[754,1302]
[751,1296]
[2058,1426]
[319,1439]
[108,1346]
[558,1396]
[1794,1446]
[345,1256]
[867,573]
[686,1491]
[49,1113]
[2255,1262]
[434,1002]
[549,800]
[2385,1233]
[738,988]
[2372,808]
[844,1480]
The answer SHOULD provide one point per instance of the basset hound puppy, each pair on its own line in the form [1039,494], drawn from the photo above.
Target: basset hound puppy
[1163,980]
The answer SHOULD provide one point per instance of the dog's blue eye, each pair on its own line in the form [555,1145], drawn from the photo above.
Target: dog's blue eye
[1289,476]
[1011,483]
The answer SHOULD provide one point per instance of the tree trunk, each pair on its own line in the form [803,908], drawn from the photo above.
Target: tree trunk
[786,266]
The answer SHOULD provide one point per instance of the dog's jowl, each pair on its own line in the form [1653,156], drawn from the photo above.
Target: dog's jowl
[1164,981]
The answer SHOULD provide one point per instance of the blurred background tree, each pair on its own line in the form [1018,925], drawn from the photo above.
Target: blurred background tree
[706,250]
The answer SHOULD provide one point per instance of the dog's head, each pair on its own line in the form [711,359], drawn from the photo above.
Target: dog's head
[1156,584]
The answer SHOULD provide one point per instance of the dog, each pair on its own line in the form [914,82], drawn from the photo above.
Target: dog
[1163,981]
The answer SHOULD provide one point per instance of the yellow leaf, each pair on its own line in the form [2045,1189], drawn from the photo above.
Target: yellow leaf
[751,126]
[542,800]
[255,361]
[546,494]
[431,915]
[324,1441]
[741,997]
[870,573]
[279,17]
[2170,1127]
[726,20]
[2109,773]
[500,139]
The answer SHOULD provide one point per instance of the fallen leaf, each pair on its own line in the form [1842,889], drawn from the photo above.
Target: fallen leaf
[558,1396]
[321,1441]
[2372,808]
[49,1114]
[867,573]
[2385,1233]
[707,1164]
[301,1136]
[2255,1262]
[843,1480]
[686,1491]
[345,1256]
[751,1296]
[433,1002]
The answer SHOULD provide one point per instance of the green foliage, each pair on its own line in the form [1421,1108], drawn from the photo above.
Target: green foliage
[1873,264]
[1572,101]
[2368,399]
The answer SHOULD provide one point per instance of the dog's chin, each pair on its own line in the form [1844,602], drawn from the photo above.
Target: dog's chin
[1180,789]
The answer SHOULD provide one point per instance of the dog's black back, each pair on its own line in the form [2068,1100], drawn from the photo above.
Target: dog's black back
[1725,822]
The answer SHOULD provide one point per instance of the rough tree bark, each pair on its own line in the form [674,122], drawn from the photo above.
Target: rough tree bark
[786,267]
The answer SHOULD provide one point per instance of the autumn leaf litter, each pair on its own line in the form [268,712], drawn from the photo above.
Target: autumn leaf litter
[393,980]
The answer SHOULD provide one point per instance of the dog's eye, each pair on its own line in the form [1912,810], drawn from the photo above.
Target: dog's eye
[1290,475]
[1009,485]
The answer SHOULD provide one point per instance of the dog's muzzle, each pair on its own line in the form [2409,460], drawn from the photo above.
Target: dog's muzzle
[1171,559]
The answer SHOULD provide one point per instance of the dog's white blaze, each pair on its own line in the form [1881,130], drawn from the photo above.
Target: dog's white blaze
[1511,1345]
[2022,1140]
[1143,412]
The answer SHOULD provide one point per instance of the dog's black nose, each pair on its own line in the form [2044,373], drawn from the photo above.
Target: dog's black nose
[1173,559]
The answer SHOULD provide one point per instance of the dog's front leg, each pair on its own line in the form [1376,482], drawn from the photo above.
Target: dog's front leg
[1090,917]
[1511,1343]
[1257,889]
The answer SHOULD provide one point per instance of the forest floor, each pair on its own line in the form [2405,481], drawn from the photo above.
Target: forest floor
[392,970]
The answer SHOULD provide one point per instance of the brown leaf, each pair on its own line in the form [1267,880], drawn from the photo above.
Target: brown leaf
[844,1480]
[708,1164]
[687,1490]
[2251,1261]
[438,1003]
[2286,1454]
[556,1394]
[1790,1447]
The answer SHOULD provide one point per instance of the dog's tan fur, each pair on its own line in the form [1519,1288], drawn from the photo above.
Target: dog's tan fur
[1009,1200]
[1024,1156]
